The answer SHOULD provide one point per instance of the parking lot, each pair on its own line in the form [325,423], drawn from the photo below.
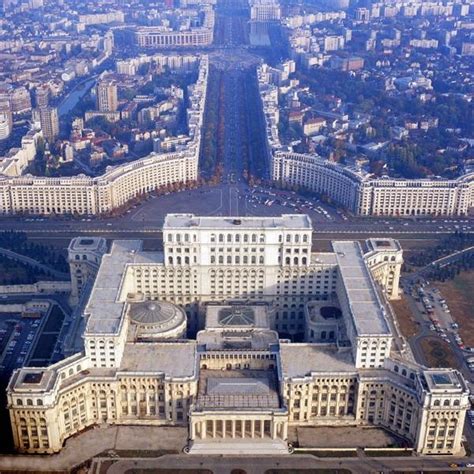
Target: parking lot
[28,338]
[233,199]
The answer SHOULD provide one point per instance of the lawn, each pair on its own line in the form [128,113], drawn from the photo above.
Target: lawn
[406,321]
[438,353]
[55,320]
[329,454]
[458,296]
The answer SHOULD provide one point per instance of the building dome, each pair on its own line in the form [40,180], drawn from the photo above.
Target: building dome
[158,319]
[152,312]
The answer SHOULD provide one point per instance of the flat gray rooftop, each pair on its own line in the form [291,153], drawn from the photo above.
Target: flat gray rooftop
[104,309]
[174,359]
[444,380]
[324,258]
[238,339]
[285,221]
[366,309]
[241,386]
[301,360]
[383,243]
[86,243]
[237,389]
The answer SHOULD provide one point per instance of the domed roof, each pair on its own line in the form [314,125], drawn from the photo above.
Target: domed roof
[153,312]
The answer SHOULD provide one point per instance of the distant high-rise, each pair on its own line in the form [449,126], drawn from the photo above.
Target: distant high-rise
[108,43]
[106,92]
[265,10]
[49,122]
[6,122]
[20,100]
[4,125]
[42,96]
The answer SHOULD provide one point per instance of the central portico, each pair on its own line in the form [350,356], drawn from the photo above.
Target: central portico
[238,397]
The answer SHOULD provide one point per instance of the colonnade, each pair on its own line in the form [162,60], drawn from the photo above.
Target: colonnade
[253,428]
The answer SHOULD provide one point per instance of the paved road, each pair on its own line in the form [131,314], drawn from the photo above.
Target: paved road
[216,200]
[424,331]
[253,465]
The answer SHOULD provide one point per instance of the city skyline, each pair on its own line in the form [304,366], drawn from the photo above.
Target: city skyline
[236,236]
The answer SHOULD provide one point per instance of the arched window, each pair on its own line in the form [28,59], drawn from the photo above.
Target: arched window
[19,401]
[39,402]
[29,401]
[446,403]
[305,238]
[221,237]
[254,238]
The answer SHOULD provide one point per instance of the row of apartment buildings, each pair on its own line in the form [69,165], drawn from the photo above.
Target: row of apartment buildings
[355,189]
[91,196]
[366,195]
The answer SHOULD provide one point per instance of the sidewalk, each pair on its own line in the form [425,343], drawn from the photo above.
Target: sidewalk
[82,447]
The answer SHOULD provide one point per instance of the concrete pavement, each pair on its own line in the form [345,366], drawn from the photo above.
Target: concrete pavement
[259,465]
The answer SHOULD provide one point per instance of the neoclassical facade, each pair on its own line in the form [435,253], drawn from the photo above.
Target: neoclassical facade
[365,195]
[200,335]
[355,189]
[158,37]
[85,195]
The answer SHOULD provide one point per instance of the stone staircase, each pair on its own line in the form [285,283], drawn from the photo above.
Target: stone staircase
[246,447]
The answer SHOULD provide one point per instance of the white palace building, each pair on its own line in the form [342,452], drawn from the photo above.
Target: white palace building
[199,335]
